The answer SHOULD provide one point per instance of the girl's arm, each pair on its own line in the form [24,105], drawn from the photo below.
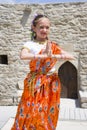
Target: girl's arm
[26,55]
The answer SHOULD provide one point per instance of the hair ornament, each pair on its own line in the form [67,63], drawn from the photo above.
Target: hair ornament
[35,15]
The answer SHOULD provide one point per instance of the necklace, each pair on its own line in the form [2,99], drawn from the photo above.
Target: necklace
[41,42]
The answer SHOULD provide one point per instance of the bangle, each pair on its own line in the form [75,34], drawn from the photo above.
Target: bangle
[61,56]
[54,56]
[34,56]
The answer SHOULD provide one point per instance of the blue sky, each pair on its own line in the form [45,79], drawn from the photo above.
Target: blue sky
[40,1]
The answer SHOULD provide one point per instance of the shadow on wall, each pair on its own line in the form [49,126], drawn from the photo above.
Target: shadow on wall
[25,17]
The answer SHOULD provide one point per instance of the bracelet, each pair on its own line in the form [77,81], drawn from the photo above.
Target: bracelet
[54,56]
[62,56]
[34,56]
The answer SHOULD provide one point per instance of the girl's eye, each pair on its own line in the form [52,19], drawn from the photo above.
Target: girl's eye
[47,27]
[42,27]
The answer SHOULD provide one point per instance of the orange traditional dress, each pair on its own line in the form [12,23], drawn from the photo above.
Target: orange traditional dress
[40,101]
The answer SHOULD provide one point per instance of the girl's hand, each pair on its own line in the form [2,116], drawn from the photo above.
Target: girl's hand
[48,49]
[49,52]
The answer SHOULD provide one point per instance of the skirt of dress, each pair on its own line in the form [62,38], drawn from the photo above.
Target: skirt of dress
[40,110]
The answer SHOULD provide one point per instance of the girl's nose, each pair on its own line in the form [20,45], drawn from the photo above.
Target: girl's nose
[45,29]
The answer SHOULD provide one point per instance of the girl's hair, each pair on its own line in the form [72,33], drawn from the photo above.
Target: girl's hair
[34,23]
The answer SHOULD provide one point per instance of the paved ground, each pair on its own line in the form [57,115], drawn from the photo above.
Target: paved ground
[62,125]
[71,116]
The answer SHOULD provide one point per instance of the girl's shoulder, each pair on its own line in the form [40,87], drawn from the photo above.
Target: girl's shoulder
[54,43]
[28,43]
[56,48]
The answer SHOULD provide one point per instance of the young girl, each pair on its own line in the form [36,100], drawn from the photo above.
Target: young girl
[40,101]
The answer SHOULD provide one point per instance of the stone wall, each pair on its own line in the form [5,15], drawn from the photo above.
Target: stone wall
[68,29]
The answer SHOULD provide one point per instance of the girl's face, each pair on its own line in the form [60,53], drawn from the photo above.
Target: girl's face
[42,29]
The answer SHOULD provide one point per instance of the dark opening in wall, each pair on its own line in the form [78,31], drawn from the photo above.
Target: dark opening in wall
[3,59]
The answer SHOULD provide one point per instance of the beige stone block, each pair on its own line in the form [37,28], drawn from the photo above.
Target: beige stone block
[84,105]
[20,85]
[19,93]
[83,96]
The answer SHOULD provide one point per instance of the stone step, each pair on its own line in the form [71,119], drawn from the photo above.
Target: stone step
[73,114]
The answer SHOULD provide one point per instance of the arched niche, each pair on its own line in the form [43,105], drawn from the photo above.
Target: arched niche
[68,76]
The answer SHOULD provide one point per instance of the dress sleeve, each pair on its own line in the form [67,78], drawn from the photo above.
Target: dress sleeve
[32,47]
[26,46]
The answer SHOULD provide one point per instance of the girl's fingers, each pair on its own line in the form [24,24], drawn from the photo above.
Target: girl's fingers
[49,48]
